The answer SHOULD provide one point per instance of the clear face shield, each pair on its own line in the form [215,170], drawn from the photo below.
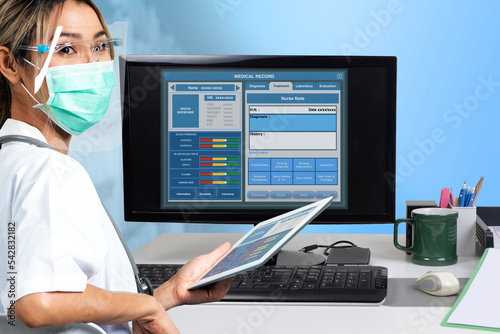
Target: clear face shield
[76,63]
[71,45]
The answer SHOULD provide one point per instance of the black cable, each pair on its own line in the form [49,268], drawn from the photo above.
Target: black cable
[328,247]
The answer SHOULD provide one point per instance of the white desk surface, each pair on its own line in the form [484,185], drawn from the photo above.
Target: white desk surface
[246,318]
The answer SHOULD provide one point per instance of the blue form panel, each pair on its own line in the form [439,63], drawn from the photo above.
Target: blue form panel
[220,97]
[184,182]
[304,85]
[281,178]
[182,161]
[258,194]
[281,165]
[185,111]
[328,85]
[300,98]
[303,178]
[325,194]
[294,123]
[257,86]
[327,165]
[304,164]
[258,165]
[205,87]
[181,193]
[259,178]
[293,171]
[281,194]
[229,194]
[327,178]
[198,170]
[303,194]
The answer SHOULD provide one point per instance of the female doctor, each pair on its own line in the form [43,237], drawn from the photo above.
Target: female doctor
[70,264]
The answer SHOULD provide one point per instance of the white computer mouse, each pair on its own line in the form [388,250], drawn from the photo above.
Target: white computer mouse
[438,283]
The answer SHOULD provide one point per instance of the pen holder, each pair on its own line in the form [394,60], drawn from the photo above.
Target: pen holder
[466,231]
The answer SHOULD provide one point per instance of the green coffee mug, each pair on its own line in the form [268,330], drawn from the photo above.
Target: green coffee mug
[434,236]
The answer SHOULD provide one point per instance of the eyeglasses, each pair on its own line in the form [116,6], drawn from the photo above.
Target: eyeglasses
[78,52]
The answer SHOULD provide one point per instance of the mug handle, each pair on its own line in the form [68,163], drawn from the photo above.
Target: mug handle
[396,243]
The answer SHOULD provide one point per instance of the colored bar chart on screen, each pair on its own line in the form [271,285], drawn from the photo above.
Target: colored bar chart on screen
[220,182]
[219,164]
[205,165]
[219,143]
[219,174]
[219,159]
[219,140]
[253,251]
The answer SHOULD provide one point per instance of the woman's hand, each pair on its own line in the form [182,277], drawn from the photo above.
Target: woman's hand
[175,292]
[158,323]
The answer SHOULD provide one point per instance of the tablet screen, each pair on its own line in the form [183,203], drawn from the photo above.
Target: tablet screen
[261,243]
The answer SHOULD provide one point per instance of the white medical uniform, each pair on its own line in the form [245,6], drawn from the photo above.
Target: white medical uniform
[64,238]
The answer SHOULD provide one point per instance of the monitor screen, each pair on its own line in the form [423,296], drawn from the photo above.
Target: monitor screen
[239,139]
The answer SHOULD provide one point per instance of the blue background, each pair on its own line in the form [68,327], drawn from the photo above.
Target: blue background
[448,82]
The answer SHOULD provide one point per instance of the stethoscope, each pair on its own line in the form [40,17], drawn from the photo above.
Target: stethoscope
[143,284]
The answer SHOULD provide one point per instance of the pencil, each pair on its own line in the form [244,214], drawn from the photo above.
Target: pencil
[478,188]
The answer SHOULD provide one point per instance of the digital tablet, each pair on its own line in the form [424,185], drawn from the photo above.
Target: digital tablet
[261,243]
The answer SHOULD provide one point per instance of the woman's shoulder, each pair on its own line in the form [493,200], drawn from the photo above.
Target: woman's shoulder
[28,163]
[45,180]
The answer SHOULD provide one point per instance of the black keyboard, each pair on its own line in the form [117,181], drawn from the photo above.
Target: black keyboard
[275,283]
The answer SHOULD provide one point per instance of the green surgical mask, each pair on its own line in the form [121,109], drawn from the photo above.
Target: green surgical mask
[79,94]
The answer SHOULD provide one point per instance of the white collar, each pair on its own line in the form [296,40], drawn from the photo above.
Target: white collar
[15,127]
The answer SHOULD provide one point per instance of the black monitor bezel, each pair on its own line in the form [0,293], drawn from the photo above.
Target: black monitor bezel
[149,90]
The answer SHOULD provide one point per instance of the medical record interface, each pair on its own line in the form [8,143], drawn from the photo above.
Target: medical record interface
[263,137]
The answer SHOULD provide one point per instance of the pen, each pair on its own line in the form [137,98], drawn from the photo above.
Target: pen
[471,196]
[467,197]
[463,194]
[478,189]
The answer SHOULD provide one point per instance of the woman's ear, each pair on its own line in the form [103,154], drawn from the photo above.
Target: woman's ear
[8,65]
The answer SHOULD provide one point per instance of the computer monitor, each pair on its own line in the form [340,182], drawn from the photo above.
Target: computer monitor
[240,139]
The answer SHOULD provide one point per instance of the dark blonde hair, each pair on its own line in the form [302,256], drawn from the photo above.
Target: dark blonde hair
[16,31]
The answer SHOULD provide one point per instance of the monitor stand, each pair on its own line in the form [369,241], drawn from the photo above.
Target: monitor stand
[287,257]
